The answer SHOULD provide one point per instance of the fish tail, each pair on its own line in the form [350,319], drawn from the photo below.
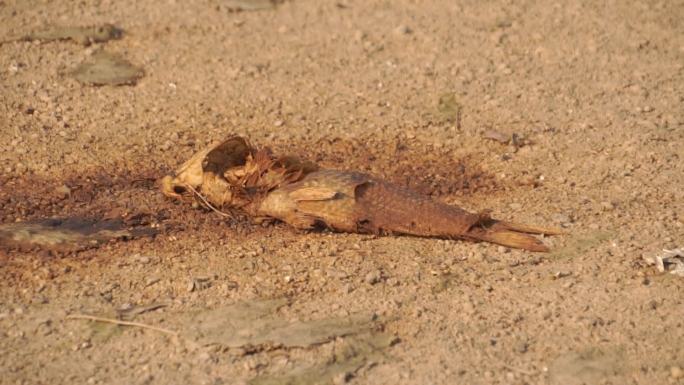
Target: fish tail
[507,238]
[511,234]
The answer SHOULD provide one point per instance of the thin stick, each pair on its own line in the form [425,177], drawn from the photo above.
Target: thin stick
[119,322]
[519,370]
[206,202]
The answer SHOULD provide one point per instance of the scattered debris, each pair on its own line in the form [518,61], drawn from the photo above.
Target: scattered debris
[66,235]
[107,69]
[81,35]
[671,261]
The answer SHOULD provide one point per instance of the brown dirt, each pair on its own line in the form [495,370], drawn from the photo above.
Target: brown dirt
[405,90]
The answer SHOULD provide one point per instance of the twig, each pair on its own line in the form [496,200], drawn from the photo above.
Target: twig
[119,322]
[206,202]
[519,370]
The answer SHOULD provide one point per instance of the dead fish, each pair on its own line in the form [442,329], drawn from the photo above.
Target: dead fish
[233,174]
[81,35]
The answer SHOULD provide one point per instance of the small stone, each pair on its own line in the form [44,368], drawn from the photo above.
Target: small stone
[607,206]
[278,123]
[204,357]
[403,30]
[521,347]
[342,378]
[63,191]
[676,372]
[373,277]
[561,218]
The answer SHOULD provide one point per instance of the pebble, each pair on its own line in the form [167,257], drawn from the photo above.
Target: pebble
[63,191]
[521,347]
[561,218]
[190,286]
[403,30]
[278,123]
[342,378]
[676,372]
[607,206]
[373,277]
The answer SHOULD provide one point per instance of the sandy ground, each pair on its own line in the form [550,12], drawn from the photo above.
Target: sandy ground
[408,90]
